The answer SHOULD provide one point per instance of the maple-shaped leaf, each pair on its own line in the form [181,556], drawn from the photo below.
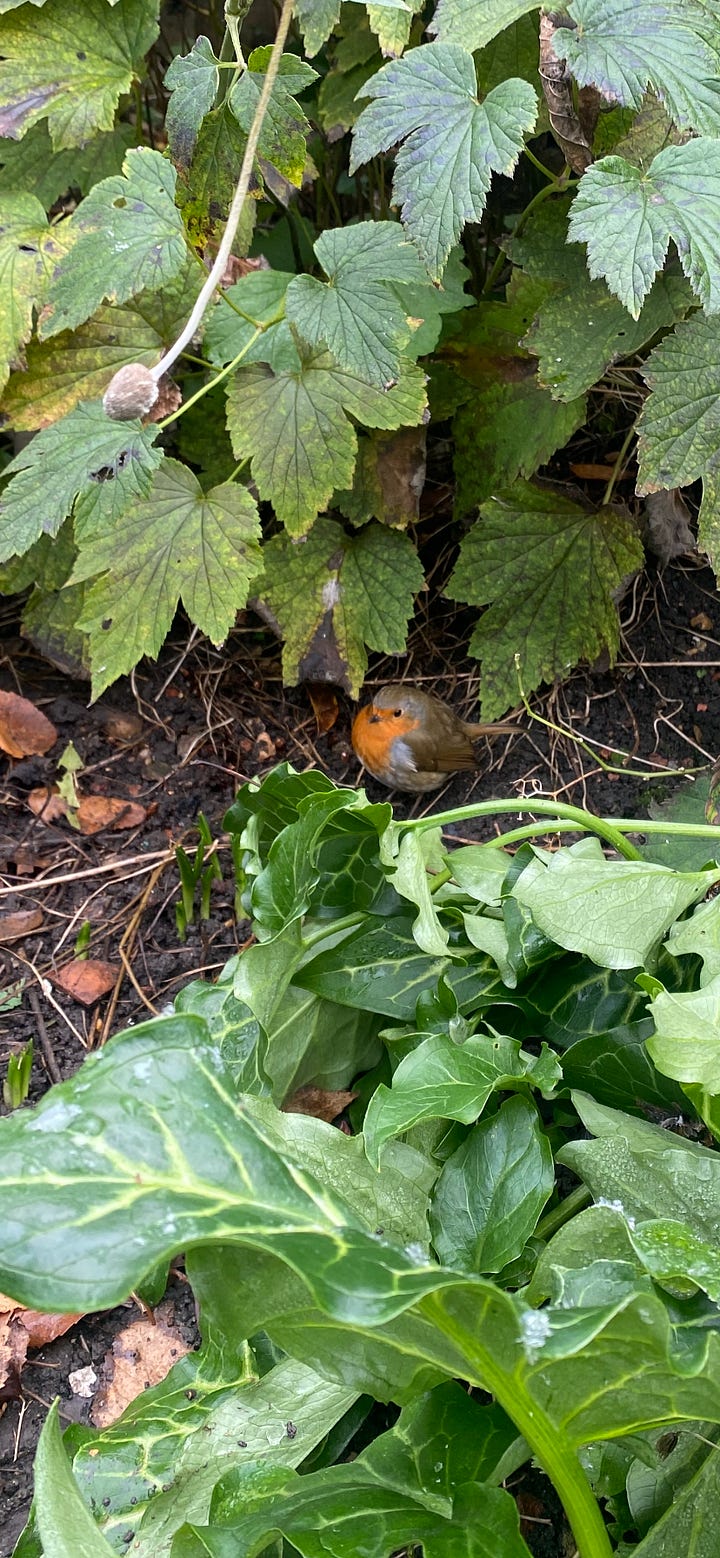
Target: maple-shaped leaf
[507,425]
[622,47]
[335,596]
[580,327]
[546,569]
[249,317]
[70,62]
[206,188]
[361,319]
[28,250]
[285,128]
[294,427]
[179,543]
[627,216]
[79,364]
[318,18]
[192,80]
[33,166]
[451,143]
[130,237]
[679,429]
[109,462]
[474,25]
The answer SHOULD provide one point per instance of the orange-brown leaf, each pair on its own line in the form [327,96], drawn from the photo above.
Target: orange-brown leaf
[24,730]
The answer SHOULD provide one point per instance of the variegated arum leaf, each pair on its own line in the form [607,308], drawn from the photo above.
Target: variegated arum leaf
[177,543]
[547,569]
[130,237]
[110,463]
[69,63]
[450,143]
[294,427]
[627,216]
[357,314]
[337,596]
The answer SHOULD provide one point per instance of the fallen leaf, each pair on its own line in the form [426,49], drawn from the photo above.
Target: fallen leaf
[141,1355]
[108,811]
[590,472]
[702,622]
[86,979]
[666,525]
[20,1329]
[14,926]
[47,805]
[325,705]
[319,1102]
[122,727]
[24,730]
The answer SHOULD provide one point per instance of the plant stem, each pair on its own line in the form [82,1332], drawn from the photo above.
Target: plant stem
[584,820]
[205,388]
[331,927]
[238,200]
[618,465]
[576,1201]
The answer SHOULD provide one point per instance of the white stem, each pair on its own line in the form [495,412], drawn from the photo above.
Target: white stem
[238,201]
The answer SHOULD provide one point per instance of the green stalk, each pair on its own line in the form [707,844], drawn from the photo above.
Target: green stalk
[584,820]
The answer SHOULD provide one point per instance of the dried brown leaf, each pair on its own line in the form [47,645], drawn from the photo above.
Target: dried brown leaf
[142,1355]
[24,730]
[14,926]
[47,805]
[108,811]
[86,979]
[325,705]
[320,1102]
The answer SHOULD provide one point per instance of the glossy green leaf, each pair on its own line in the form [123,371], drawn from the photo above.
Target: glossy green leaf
[627,217]
[66,1526]
[338,595]
[45,74]
[130,237]
[615,911]
[112,462]
[689,1525]
[176,543]
[381,967]
[443,1080]
[686,1041]
[356,313]
[298,474]
[492,1190]
[699,936]
[451,144]
[547,569]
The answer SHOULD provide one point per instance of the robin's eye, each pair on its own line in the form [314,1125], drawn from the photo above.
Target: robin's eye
[397,713]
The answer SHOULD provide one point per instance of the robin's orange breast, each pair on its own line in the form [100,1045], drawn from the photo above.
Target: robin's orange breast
[374,733]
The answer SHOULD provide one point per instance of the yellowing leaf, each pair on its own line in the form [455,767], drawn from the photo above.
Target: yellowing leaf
[334,594]
[28,247]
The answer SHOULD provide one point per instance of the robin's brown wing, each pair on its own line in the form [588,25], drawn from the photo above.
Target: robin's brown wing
[447,754]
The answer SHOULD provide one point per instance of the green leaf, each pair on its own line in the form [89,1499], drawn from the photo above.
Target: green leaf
[686,1042]
[111,462]
[192,80]
[699,935]
[491,1192]
[317,19]
[361,319]
[580,329]
[447,1081]
[689,1525]
[256,302]
[78,365]
[45,74]
[547,569]
[28,251]
[124,1168]
[381,968]
[450,144]
[679,422]
[176,543]
[508,425]
[647,1170]
[151,1470]
[206,188]
[686,804]
[129,236]
[338,106]
[337,594]
[33,166]
[66,1527]
[627,217]
[293,426]
[344,1510]
[625,46]
[285,128]
[464,21]
[613,911]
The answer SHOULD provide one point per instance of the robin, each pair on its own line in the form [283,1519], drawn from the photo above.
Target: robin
[411,741]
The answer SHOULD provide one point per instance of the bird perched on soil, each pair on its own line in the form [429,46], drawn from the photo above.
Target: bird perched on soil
[410,740]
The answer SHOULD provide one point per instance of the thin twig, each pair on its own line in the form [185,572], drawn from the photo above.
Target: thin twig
[51,1065]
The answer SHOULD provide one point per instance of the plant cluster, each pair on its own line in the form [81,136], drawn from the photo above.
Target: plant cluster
[518,1246]
[393,293]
